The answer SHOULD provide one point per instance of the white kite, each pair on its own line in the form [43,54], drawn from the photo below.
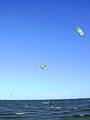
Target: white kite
[79,31]
[42,66]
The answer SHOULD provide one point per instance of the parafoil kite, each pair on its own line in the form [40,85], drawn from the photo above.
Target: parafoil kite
[79,31]
[42,66]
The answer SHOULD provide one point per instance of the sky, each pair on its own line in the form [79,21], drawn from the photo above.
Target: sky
[34,32]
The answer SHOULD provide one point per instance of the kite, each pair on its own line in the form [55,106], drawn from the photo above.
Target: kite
[79,31]
[42,66]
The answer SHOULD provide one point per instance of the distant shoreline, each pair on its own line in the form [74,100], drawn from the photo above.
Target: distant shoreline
[46,99]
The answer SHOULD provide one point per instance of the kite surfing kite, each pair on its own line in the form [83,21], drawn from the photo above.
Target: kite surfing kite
[79,31]
[42,66]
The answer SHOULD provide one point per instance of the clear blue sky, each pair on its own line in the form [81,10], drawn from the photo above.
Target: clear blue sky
[33,32]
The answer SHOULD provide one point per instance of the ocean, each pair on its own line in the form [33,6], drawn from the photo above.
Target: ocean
[68,109]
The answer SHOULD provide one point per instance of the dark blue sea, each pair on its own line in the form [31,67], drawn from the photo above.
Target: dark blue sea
[70,109]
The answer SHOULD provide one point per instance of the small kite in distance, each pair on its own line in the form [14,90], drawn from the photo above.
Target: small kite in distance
[11,94]
[42,66]
[79,31]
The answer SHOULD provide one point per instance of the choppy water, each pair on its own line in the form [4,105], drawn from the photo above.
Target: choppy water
[78,109]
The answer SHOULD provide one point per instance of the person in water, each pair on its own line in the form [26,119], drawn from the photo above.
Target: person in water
[51,106]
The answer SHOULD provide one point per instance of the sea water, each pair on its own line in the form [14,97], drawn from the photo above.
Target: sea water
[70,109]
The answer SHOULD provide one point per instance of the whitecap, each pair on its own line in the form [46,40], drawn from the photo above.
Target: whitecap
[21,113]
